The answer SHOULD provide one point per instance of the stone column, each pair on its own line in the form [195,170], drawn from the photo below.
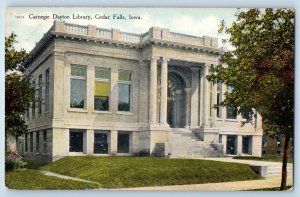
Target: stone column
[214,101]
[90,78]
[201,85]
[153,91]
[239,144]
[113,146]
[205,112]
[195,97]
[164,91]
[188,107]
[89,142]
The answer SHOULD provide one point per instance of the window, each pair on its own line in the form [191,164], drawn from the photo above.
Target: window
[123,142]
[26,142]
[33,102]
[40,94]
[37,137]
[230,110]
[231,145]
[102,87]
[45,140]
[247,144]
[76,140]
[31,142]
[247,114]
[100,143]
[27,114]
[78,77]
[219,99]
[47,88]
[124,87]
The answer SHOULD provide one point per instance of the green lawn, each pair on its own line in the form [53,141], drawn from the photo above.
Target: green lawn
[264,158]
[28,179]
[117,172]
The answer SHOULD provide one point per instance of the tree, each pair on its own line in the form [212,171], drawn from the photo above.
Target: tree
[18,91]
[261,69]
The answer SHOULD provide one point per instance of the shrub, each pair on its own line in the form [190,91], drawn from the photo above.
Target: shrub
[13,161]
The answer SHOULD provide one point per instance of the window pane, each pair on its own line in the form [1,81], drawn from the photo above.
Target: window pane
[231,113]
[45,140]
[247,144]
[124,97]
[101,103]
[247,114]
[123,143]
[31,142]
[76,141]
[78,70]
[26,142]
[37,141]
[125,75]
[102,89]
[40,94]
[77,93]
[100,143]
[101,98]
[102,73]
[47,91]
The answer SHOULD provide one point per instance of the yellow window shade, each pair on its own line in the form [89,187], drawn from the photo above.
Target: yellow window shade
[101,89]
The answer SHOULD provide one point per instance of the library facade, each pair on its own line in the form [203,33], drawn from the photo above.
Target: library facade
[107,92]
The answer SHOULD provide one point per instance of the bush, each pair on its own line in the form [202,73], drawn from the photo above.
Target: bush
[13,161]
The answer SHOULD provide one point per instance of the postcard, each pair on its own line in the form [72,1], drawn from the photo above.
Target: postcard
[147,98]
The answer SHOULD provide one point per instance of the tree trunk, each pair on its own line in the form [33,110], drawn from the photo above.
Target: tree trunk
[284,161]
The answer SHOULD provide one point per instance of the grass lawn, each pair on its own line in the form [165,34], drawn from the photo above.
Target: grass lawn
[264,158]
[117,172]
[28,179]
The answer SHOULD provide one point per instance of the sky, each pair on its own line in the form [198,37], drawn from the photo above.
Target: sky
[192,21]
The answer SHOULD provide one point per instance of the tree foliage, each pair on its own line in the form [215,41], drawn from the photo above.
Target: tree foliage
[13,58]
[18,91]
[261,67]
[18,95]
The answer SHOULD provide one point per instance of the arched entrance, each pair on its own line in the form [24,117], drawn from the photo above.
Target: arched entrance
[176,101]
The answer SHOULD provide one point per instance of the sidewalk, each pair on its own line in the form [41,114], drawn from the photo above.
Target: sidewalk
[226,186]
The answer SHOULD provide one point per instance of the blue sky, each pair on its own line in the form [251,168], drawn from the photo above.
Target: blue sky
[192,21]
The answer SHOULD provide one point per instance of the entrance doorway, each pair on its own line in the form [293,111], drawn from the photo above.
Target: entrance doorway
[176,101]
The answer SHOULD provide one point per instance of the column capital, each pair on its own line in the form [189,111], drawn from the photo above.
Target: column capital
[153,58]
[164,59]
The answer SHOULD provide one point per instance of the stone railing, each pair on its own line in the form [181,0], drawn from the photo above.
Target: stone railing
[76,29]
[130,37]
[104,33]
[154,33]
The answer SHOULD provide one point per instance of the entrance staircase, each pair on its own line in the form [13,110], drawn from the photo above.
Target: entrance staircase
[184,143]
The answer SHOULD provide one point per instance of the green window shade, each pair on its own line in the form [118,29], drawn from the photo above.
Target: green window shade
[101,89]
[78,70]
[125,75]
[102,73]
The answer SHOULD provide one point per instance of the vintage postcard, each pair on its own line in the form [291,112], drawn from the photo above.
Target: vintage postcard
[149,98]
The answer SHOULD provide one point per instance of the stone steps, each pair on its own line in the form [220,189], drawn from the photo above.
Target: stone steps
[187,144]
